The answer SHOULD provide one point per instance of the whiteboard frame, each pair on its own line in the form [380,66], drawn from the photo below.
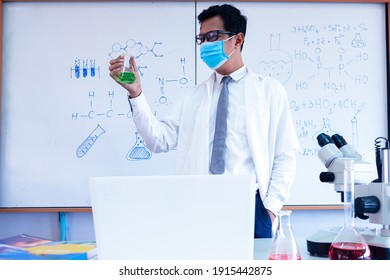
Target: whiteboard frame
[290,207]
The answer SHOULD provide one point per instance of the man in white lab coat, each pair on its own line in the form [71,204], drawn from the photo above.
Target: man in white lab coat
[261,139]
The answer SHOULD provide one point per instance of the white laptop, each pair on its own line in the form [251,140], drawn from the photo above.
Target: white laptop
[174,217]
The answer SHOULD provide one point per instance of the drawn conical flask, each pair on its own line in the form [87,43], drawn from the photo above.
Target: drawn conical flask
[325,129]
[139,150]
[349,244]
[284,245]
[358,42]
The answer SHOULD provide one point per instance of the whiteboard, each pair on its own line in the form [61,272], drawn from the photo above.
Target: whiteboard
[65,120]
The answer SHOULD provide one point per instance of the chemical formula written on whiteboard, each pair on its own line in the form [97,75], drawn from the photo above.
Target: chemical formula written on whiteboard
[325,69]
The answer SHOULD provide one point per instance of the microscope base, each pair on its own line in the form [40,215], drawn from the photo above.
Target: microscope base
[318,244]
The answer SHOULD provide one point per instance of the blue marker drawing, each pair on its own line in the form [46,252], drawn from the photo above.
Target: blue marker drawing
[138,151]
[85,68]
[275,62]
[137,49]
[83,149]
[78,70]
[92,67]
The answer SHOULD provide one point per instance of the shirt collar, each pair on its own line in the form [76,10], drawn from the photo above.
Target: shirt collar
[236,75]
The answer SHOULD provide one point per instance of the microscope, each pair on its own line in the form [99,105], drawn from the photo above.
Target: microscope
[372,197]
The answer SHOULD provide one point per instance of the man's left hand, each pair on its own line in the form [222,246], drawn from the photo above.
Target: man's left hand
[271,215]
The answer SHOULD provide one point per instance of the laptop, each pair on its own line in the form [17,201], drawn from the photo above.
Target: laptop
[208,217]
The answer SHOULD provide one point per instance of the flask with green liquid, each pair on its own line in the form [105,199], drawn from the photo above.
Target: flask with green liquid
[127,75]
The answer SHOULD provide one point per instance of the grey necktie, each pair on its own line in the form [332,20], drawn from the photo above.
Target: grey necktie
[217,165]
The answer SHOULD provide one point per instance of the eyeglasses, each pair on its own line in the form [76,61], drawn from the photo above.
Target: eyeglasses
[211,36]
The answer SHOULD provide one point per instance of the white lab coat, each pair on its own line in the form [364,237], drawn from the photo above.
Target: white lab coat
[270,131]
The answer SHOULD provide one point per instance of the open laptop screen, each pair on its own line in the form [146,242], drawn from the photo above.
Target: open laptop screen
[174,217]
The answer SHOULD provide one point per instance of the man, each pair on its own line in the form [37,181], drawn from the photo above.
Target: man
[261,139]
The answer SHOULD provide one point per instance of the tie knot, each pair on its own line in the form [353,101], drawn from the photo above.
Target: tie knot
[226,79]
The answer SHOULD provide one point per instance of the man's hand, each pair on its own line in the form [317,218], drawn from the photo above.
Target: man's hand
[116,64]
[271,215]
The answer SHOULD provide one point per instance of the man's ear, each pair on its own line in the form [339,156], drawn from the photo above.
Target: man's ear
[239,40]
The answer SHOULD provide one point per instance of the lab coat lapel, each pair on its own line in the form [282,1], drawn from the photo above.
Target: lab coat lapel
[194,155]
[257,119]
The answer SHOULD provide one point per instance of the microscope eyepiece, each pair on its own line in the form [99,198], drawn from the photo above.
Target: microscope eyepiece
[338,140]
[328,151]
[324,139]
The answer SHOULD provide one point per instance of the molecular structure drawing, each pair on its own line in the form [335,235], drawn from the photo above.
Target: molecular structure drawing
[135,48]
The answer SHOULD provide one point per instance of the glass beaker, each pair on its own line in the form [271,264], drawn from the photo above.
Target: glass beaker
[127,75]
[284,245]
[349,244]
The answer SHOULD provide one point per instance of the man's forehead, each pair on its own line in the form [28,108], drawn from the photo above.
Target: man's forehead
[214,23]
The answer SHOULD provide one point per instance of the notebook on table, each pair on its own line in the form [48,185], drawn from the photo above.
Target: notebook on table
[174,217]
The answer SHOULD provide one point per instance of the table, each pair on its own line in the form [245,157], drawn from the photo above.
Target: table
[262,247]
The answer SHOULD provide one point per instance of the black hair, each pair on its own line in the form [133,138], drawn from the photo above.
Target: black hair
[232,18]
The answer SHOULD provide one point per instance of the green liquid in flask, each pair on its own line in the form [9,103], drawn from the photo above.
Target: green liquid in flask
[126,78]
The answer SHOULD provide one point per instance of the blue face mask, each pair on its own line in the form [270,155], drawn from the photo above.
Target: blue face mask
[213,53]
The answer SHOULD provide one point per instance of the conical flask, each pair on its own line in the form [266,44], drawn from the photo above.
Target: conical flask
[349,244]
[284,245]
